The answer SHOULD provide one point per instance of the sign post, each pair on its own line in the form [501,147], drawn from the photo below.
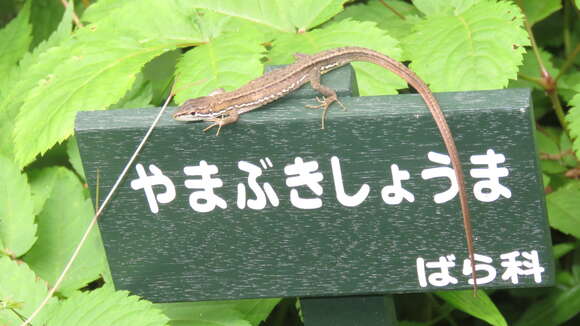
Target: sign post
[276,207]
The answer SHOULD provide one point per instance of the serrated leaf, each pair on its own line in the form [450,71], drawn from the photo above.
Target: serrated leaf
[481,48]
[104,8]
[437,7]
[269,13]
[563,207]
[227,62]
[559,307]
[372,79]
[62,222]
[481,306]
[17,227]
[74,157]
[15,39]
[106,307]
[309,14]
[22,81]
[387,18]
[94,70]
[536,11]
[61,33]
[6,127]
[573,119]
[22,289]
[531,69]
[139,96]
[569,85]
[280,15]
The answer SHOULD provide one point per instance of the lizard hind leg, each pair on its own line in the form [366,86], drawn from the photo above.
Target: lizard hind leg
[329,95]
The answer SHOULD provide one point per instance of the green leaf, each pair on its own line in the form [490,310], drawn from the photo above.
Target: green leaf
[74,157]
[573,119]
[564,208]
[256,311]
[569,85]
[159,73]
[23,290]
[481,306]
[139,96]
[17,228]
[547,145]
[372,79]
[385,18]
[286,16]
[106,307]
[62,222]
[566,146]
[10,104]
[308,14]
[531,69]
[227,62]
[562,249]
[437,7]
[481,48]
[94,70]
[233,312]
[41,184]
[45,17]
[60,34]
[546,180]
[15,39]
[211,313]
[558,308]
[6,128]
[538,10]
[105,8]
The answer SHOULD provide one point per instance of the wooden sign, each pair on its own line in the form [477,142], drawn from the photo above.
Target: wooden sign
[276,207]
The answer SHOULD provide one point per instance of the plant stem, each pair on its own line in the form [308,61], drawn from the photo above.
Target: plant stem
[530,79]
[391,8]
[76,19]
[559,110]
[546,80]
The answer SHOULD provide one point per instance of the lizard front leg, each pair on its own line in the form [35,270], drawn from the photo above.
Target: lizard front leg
[329,95]
[223,120]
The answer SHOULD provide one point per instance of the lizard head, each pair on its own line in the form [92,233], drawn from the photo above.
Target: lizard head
[196,109]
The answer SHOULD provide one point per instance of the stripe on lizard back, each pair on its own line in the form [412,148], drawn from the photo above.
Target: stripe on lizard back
[224,108]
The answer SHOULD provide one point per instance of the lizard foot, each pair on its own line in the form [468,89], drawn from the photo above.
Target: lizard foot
[325,103]
[219,122]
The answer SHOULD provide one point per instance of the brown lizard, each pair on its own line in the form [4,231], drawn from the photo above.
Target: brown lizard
[223,108]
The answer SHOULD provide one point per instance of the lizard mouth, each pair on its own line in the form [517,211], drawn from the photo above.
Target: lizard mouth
[180,116]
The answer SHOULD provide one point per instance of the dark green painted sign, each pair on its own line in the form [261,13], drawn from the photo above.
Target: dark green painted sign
[276,207]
